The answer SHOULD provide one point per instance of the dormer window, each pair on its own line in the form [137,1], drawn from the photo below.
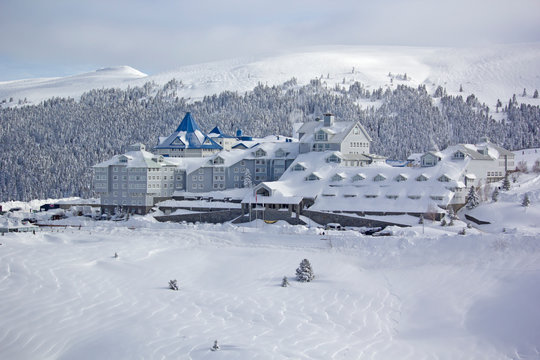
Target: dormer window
[338,177]
[321,136]
[358,177]
[444,178]
[333,159]
[218,161]
[298,167]
[379,177]
[422,177]
[401,177]
[459,155]
[178,142]
[260,153]
[312,177]
[280,153]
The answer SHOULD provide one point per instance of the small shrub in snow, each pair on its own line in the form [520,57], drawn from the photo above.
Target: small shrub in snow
[526,201]
[495,195]
[304,273]
[462,231]
[215,347]
[451,223]
[173,284]
[421,220]
[506,183]
[285,282]
[443,222]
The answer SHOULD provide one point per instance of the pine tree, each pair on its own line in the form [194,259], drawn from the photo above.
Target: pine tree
[506,183]
[472,199]
[495,195]
[285,282]
[536,166]
[304,273]
[247,179]
[526,201]
[460,88]
[535,95]
[524,92]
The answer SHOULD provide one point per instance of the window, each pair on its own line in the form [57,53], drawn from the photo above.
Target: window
[194,186]
[201,178]
[201,171]
[236,170]
[194,178]
[321,136]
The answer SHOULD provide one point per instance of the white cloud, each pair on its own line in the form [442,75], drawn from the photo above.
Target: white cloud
[160,35]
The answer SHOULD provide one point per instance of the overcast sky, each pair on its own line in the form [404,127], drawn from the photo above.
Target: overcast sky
[64,37]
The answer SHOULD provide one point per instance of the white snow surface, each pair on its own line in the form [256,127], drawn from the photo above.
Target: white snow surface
[425,292]
[491,72]
[409,296]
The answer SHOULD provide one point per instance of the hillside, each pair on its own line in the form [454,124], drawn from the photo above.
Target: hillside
[490,73]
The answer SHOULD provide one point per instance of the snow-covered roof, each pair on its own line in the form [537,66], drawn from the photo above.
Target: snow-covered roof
[375,195]
[138,159]
[336,132]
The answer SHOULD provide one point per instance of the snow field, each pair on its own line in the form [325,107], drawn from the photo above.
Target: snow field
[436,296]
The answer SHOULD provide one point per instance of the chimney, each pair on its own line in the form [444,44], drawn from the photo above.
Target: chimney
[328,119]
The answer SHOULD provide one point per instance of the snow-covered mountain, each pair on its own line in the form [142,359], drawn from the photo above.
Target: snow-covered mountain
[491,73]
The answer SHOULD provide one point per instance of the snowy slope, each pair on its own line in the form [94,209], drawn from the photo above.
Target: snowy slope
[37,90]
[409,296]
[491,73]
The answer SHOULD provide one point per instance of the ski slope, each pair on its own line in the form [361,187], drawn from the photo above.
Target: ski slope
[491,73]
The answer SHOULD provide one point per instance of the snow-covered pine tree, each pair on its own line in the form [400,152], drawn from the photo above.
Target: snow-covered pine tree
[304,273]
[472,199]
[495,195]
[536,166]
[535,95]
[247,179]
[506,183]
[285,282]
[526,201]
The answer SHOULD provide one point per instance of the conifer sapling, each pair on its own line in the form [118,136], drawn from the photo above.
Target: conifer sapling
[304,273]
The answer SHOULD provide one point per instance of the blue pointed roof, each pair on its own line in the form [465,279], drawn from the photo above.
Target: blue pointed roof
[188,135]
[188,124]
[217,131]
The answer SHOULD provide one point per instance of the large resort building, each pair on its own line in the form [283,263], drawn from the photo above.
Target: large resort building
[329,167]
